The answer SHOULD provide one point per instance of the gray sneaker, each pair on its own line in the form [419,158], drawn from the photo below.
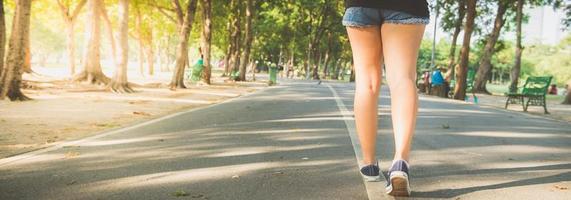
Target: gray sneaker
[398,184]
[371,173]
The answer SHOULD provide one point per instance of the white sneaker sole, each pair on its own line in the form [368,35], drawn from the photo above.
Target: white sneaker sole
[399,185]
[371,178]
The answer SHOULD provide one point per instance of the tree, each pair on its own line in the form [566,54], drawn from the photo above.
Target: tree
[485,68]
[119,82]
[453,20]
[185,27]
[518,49]
[144,36]
[92,72]
[2,36]
[461,73]
[138,26]
[235,47]
[70,18]
[109,31]
[206,38]
[11,78]
[316,33]
[247,42]
[567,99]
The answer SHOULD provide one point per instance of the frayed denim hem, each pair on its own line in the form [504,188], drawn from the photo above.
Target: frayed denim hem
[357,25]
[424,21]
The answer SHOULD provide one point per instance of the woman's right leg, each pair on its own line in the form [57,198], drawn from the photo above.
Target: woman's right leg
[367,55]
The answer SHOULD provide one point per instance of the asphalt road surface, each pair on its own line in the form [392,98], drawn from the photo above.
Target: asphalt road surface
[296,141]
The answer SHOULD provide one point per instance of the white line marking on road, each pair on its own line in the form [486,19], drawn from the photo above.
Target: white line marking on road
[10,160]
[374,189]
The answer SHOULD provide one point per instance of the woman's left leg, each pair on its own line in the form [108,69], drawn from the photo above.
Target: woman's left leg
[401,43]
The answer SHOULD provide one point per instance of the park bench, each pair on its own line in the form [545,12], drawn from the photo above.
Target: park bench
[534,89]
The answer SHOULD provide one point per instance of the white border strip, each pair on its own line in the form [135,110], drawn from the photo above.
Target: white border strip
[374,189]
[10,160]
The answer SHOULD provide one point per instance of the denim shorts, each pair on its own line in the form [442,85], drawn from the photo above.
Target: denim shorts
[366,17]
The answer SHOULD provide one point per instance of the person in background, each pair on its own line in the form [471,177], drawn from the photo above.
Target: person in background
[426,81]
[438,85]
[552,90]
[437,78]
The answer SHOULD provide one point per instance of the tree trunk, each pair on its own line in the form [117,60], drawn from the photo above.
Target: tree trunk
[327,56]
[182,52]
[248,41]
[109,30]
[228,50]
[71,47]
[11,79]
[2,37]
[352,77]
[206,39]
[460,88]
[70,19]
[253,68]
[119,83]
[150,53]
[138,26]
[28,58]
[236,34]
[307,62]
[485,63]
[457,29]
[316,61]
[568,96]
[92,72]
[292,64]
[518,49]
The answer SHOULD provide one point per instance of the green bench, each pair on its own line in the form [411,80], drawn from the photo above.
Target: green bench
[534,89]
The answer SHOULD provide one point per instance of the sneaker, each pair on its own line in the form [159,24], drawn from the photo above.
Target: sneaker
[398,184]
[371,173]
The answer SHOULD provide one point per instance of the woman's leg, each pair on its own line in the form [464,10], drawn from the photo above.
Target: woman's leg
[400,47]
[367,56]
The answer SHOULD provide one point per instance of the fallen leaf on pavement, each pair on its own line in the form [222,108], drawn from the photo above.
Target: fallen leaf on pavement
[71,154]
[445,126]
[180,193]
[560,187]
[141,113]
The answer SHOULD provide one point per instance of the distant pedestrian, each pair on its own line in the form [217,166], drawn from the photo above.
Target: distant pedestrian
[552,90]
[425,82]
[437,78]
[386,32]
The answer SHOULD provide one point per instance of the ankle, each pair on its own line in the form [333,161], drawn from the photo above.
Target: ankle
[401,157]
[369,162]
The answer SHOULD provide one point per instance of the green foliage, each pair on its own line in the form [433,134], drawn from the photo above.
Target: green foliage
[552,60]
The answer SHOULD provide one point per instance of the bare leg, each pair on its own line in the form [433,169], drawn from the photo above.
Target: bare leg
[367,55]
[400,47]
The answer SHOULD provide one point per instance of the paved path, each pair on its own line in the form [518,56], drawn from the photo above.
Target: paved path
[292,142]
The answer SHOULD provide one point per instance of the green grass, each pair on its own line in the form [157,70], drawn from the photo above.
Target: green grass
[497,89]
[555,98]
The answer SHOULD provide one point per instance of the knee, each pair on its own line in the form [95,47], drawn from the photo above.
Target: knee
[369,86]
